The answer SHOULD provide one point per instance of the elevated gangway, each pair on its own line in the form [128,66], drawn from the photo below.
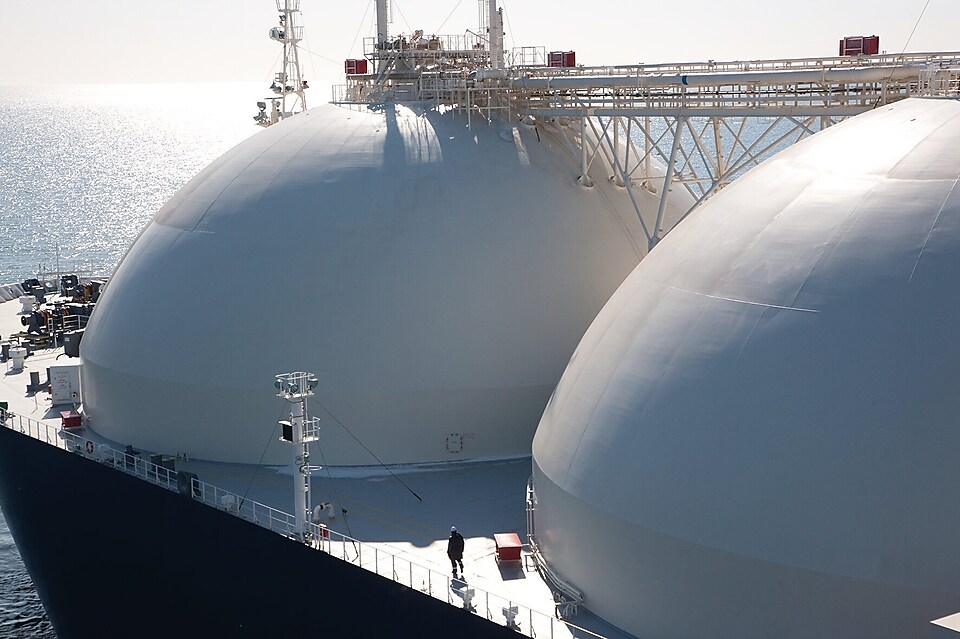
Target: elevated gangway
[707,121]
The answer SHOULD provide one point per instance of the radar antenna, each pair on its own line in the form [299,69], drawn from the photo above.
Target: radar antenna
[288,85]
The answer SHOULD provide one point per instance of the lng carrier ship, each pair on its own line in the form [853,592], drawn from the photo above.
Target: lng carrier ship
[751,439]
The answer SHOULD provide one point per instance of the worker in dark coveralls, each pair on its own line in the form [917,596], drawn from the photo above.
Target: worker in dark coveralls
[455,550]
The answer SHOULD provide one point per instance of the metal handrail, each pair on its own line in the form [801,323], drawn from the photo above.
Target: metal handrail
[496,608]
[712,66]
[837,86]
[432,44]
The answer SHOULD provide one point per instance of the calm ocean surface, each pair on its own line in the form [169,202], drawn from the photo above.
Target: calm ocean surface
[82,170]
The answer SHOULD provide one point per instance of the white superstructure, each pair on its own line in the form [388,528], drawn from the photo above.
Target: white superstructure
[757,436]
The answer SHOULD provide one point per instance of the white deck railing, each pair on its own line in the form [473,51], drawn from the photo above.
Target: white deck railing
[497,608]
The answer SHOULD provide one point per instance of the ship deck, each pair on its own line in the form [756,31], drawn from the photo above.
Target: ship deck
[400,517]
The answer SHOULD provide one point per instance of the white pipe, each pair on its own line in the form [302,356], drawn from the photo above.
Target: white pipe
[868,74]
[667,179]
[495,34]
[584,178]
[381,21]
[301,490]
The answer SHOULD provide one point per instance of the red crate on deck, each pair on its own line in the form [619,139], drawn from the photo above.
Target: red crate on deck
[508,546]
[355,67]
[562,59]
[860,45]
[70,419]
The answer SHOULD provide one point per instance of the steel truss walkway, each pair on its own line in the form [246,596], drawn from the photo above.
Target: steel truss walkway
[708,121]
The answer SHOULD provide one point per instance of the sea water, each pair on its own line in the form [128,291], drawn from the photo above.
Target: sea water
[82,171]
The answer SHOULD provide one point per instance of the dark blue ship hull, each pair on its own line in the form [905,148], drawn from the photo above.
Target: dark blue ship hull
[114,556]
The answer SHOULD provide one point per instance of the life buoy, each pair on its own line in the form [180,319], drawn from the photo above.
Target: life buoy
[89,447]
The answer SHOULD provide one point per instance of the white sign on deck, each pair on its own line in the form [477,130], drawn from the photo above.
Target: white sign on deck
[65,384]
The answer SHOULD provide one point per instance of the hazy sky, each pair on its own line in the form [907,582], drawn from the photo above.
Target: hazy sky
[96,41]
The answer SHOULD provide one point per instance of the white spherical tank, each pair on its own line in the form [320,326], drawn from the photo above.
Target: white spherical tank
[758,435]
[435,277]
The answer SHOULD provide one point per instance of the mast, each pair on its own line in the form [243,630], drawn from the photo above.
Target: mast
[300,430]
[288,83]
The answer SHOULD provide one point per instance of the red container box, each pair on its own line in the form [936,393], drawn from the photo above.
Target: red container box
[562,59]
[508,546]
[70,419]
[860,45]
[355,67]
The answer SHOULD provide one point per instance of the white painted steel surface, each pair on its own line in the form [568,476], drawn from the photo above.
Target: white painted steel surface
[757,436]
[435,277]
